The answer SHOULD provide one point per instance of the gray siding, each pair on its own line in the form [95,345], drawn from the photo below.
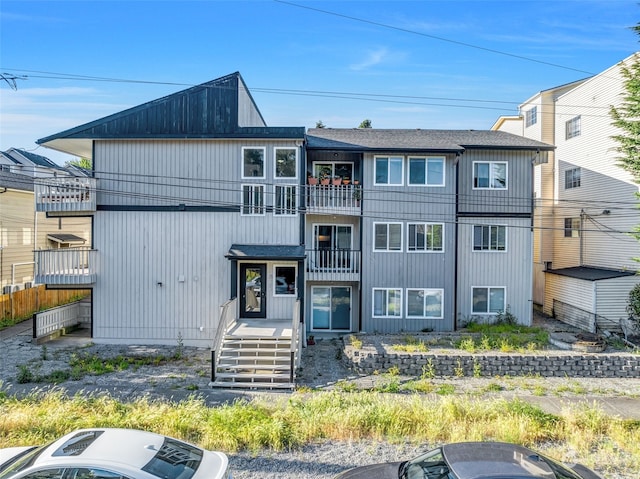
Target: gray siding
[248,114]
[510,269]
[515,199]
[407,269]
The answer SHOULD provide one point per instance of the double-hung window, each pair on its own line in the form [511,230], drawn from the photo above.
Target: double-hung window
[387,302]
[427,171]
[572,178]
[424,303]
[286,201]
[286,163]
[387,236]
[425,237]
[489,238]
[488,300]
[490,175]
[572,227]
[389,170]
[531,117]
[572,128]
[253,200]
[253,162]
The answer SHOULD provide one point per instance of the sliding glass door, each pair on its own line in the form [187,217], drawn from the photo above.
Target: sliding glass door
[331,308]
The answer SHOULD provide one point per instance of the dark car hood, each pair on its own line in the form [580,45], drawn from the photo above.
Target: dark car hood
[374,471]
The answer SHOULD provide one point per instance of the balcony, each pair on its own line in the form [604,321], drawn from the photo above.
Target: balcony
[65,194]
[66,266]
[333,265]
[334,199]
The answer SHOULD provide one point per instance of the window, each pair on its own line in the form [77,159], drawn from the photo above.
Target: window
[387,237]
[489,238]
[531,117]
[424,303]
[492,175]
[253,162]
[488,300]
[387,303]
[253,200]
[389,170]
[572,178]
[425,237]
[285,283]
[286,200]
[426,171]
[572,128]
[572,227]
[286,162]
[174,459]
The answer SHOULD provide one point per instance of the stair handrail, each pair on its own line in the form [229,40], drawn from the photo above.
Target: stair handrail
[295,340]
[227,318]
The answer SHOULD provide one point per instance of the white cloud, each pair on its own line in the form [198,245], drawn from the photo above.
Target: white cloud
[373,58]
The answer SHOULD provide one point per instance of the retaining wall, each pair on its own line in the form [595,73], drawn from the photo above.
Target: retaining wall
[372,360]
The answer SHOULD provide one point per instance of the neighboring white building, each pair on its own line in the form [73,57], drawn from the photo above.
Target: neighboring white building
[586,204]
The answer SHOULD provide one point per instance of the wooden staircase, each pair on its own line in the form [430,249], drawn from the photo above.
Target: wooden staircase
[250,359]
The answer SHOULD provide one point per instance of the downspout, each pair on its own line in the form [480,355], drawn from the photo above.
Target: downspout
[581,234]
[302,282]
[455,236]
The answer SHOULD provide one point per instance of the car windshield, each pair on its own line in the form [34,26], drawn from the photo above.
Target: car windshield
[22,462]
[428,466]
[174,460]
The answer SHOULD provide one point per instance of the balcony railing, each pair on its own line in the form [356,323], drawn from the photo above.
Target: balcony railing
[338,199]
[65,194]
[333,264]
[66,266]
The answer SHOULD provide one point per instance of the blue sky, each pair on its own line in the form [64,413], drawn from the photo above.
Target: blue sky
[402,64]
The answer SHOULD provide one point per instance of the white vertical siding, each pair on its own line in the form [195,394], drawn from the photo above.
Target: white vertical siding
[612,297]
[510,269]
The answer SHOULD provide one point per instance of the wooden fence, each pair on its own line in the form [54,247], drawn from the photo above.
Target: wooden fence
[22,304]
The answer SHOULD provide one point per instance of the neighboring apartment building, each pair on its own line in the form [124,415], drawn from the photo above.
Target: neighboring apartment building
[22,231]
[196,203]
[26,163]
[584,256]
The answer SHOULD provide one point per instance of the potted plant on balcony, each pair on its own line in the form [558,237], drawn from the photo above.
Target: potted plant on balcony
[324,179]
[336,180]
[313,180]
[346,180]
[357,193]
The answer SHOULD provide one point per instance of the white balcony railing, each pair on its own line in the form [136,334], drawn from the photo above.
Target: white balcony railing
[66,266]
[339,199]
[65,194]
[333,264]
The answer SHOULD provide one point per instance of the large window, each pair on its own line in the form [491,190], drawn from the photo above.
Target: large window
[253,162]
[572,178]
[387,236]
[488,300]
[286,200]
[285,283]
[490,174]
[531,117]
[489,238]
[425,237]
[389,170]
[572,128]
[424,303]
[253,200]
[572,227]
[426,171]
[387,303]
[286,162]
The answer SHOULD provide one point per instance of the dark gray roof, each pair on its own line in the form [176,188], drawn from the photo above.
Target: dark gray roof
[15,181]
[38,160]
[65,238]
[371,139]
[589,273]
[266,252]
[209,110]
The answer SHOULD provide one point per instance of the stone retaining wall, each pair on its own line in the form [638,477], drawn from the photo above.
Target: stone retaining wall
[371,360]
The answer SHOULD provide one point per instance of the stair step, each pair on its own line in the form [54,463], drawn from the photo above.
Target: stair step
[254,367]
[248,385]
[235,361]
[255,350]
[258,377]
[256,339]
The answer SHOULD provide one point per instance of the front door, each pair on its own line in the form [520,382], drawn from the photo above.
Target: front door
[253,289]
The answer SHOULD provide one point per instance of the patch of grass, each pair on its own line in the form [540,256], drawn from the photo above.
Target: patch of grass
[493,387]
[411,344]
[445,389]
[355,342]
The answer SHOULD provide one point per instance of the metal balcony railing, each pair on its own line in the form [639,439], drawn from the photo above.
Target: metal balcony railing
[333,264]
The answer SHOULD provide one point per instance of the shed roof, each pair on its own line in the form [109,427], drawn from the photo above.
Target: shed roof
[370,139]
[266,252]
[208,110]
[66,238]
[589,273]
